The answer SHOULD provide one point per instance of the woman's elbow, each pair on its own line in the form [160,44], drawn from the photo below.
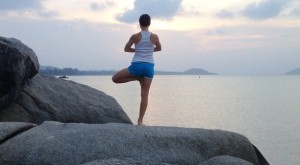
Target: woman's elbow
[157,49]
[126,49]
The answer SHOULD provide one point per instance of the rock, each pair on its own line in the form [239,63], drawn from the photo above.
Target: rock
[225,160]
[17,64]
[49,98]
[71,143]
[9,129]
[126,161]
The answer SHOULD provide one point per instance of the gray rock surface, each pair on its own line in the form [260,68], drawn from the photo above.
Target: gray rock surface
[58,143]
[10,129]
[17,64]
[29,97]
[225,160]
[25,98]
[124,161]
[49,98]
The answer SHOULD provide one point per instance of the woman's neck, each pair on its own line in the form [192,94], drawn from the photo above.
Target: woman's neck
[145,28]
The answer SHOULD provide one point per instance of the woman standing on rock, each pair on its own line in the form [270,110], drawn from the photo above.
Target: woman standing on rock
[142,65]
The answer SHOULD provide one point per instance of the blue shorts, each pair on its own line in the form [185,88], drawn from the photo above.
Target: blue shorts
[141,69]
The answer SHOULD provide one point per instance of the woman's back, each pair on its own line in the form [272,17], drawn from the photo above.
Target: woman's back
[144,48]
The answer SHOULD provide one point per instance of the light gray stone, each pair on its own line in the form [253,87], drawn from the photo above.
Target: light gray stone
[58,143]
[225,160]
[48,98]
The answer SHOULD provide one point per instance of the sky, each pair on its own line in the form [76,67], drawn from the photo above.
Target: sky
[225,37]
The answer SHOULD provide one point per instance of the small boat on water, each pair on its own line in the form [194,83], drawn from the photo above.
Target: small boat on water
[63,77]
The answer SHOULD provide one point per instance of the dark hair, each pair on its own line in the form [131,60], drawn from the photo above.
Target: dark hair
[145,20]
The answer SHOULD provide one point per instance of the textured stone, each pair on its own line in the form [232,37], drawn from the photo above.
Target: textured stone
[71,143]
[126,161]
[225,160]
[48,98]
[17,64]
[10,129]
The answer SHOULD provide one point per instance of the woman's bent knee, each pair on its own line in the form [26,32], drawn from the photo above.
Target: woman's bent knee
[114,79]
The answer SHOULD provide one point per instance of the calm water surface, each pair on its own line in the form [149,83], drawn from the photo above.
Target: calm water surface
[266,109]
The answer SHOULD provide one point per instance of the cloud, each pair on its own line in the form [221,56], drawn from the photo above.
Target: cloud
[165,9]
[225,14]
[34,7]
[296,12]
[294,9]
[99,7]
[46,14]
[19,5]
[77,43]
[265,9]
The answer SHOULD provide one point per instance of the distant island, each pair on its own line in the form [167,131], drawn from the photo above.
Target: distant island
[293,72]
[50,70]
[193,71]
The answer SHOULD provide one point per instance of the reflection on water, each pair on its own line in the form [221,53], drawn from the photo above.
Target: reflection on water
[266,109]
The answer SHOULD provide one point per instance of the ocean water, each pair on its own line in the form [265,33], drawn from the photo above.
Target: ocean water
[266,109]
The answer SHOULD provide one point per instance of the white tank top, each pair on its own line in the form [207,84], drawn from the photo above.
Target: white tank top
[144,49]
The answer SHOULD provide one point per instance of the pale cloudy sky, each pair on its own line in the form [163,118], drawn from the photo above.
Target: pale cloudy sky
[222,36]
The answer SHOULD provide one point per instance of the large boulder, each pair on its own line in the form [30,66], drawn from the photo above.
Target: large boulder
[26,98]
[48,98]
[10,129]
[71,143]
[225,160]
[17,64]
[127,161]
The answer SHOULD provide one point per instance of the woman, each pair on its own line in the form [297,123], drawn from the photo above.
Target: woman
[142,65]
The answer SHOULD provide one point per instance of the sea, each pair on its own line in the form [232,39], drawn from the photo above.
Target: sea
[264,108]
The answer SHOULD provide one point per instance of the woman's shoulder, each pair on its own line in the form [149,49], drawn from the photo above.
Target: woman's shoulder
[154,36]
[136,37]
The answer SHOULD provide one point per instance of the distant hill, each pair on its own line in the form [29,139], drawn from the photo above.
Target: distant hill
[197,71]
[193,71]
[293,72]
[50,70]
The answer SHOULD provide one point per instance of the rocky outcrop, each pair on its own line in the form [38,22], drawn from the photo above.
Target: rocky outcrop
[10,129]
[59,143]
[17,64]
[29,97]
[26,98]
[127,161]
[225,160]
[218,160]
[48,98]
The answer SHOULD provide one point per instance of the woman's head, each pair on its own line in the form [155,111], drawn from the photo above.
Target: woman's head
[145,20]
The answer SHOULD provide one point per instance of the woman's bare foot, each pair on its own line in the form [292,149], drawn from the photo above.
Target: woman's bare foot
[140,122]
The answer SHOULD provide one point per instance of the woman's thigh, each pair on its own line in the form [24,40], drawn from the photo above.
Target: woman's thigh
[123,76]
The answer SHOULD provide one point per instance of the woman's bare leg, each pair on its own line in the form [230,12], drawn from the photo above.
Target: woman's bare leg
[145,86]
[124,76]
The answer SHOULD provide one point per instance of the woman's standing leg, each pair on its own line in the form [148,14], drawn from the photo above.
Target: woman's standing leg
[145,87]
[123,76]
